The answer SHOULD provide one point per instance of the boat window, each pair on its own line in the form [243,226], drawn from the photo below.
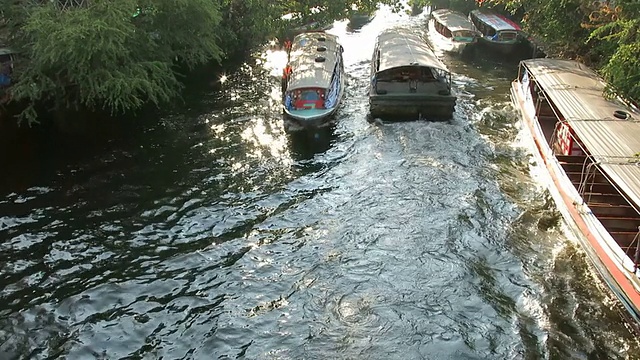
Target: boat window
[464,34]
[443,30]
[489,31]
[407,73]
[484,28]
[309,95]
[309,98]
[623,115]
[507,36]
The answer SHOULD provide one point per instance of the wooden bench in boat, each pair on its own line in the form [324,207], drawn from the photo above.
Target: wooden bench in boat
[610,207]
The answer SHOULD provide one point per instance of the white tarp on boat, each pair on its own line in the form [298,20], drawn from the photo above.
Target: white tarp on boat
[400,47]
[453,20]
[307,71]
[496,21]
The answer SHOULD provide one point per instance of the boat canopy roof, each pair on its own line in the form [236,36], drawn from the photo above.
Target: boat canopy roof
[313,58]
[496,21]
[453,20]
[608,128]
[400,47]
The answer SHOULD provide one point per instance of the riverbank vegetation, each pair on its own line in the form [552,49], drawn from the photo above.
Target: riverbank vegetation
[116,56]
[602,34]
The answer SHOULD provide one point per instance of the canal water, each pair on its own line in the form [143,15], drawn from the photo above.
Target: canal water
[215,235]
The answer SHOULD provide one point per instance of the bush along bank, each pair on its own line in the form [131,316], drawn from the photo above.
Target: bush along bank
[118,56]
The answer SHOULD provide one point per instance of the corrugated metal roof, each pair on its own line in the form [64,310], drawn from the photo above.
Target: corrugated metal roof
[578,94]
[496,21]
[307,72]
[453,20]
[400,47]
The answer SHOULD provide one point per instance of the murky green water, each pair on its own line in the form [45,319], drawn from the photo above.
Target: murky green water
[215,235]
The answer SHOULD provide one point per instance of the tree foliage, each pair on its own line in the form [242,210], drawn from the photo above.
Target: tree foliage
[604,34]
[118,55]
[102,57]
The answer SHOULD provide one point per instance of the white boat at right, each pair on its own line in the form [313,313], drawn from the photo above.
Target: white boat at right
[589,145]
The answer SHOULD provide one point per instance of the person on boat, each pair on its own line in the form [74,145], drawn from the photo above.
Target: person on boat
[286,73]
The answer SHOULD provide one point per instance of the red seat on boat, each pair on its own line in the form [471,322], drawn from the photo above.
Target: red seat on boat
[309,104]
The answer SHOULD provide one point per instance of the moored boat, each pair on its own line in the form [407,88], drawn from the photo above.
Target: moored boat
[408,81]
[588,144]
[7,58]
[499,33]
[313,83]
[452,31]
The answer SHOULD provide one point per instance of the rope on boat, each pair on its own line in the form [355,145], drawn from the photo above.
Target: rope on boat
[588,172]
[636,256]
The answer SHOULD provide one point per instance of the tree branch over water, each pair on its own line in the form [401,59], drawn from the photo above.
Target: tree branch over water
[119,55]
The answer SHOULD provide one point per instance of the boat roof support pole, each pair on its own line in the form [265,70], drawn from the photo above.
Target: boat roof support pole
[636,256]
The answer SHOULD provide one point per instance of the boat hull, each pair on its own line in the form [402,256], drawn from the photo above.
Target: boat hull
[412,106]
[504,48]
[460,48]
[582,222]
[453,47]
[295,121]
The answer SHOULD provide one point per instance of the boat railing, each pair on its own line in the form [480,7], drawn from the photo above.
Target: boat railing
[615,211]
[332,95]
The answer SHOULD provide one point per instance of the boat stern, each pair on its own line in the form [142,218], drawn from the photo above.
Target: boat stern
[307,118]
[412,106]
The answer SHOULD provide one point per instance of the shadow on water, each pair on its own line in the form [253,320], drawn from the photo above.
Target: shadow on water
[522,51]
[305,144]
[357,21]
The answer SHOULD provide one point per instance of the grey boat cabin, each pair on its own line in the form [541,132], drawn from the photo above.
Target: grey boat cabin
[408,81]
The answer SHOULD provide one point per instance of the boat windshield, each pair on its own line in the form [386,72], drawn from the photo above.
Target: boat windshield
[307,98]
[464,35]
[407,73]
[506,36]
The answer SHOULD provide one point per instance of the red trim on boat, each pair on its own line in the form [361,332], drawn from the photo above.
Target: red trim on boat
[618,276]
[510,22]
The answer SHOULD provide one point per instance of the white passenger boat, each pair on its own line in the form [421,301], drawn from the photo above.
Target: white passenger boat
[313,83]
[589,145]
[452,31]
